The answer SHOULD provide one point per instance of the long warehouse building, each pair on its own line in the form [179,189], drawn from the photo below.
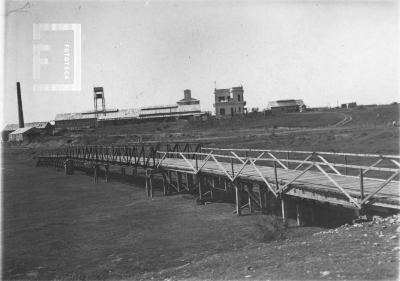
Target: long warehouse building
[186,108]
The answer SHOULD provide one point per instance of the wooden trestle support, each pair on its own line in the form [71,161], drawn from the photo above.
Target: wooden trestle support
[248,196]
[184,168]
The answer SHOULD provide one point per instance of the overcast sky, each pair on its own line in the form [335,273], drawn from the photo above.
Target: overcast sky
[147,52]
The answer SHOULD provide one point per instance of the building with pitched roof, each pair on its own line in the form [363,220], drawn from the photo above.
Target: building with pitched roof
[22,134]
[286,106]
[44,126]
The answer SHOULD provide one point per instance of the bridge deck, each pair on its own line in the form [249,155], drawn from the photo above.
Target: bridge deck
[314,183]
[313,180]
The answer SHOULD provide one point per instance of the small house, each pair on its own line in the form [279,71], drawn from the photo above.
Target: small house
[22,134]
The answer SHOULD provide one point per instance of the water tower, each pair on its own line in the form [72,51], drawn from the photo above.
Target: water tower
[98,94]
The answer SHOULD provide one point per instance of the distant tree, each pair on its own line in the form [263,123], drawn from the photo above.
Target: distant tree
[254,109]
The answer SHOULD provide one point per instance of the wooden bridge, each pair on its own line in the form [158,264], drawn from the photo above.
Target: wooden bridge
[256,178]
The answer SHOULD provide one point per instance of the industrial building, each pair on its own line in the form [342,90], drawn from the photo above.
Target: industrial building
[22,134]
[75,121]
[39,126]
[186,108]
[286,106]
[349,105]
[229,102]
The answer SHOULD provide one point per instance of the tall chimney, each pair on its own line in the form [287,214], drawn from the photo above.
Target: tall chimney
[20,112]
[187,94]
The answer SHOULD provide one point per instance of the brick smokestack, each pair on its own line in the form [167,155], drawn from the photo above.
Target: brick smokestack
[20,112]
[187,94]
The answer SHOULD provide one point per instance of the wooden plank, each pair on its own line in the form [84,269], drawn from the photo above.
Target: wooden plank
[310,180]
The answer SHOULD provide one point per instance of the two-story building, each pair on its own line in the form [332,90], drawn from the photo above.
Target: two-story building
[229,102]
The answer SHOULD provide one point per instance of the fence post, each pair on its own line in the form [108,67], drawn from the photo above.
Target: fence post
[287,160]
[276,175]
[233,172]
[345,162]
[361,184]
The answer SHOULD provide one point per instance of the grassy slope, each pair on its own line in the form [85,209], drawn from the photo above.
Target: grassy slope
[370,130]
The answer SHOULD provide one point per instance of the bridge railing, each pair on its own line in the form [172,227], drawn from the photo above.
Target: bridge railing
[233,166]
[339,163]
[140,154]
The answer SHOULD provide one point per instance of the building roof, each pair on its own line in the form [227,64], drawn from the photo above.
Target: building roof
[73,116]
[222,91]
[100,111]
[115,114]
[283,103]
[38,125]
[159,107]
[22,131]
[121,114]
[187,100]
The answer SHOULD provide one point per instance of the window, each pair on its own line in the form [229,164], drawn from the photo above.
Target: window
[239,97]
[240,109]
[222,111]
[221,99]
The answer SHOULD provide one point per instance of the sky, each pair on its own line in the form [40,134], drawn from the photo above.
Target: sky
[147,52]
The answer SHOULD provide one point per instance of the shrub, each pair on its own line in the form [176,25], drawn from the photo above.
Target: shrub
[269,228]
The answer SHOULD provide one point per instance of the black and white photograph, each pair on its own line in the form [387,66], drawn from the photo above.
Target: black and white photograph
[200,140]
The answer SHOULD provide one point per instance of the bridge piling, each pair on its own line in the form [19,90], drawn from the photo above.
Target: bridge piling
[260,197]
[164,184]
[149,183]
[212,188]
[200,185]
[69,167]
[170,177]
[284,210]
[95,173]
[299,214]
[250,201]
[187,181]
[107,172]
[237,200]
[179,181]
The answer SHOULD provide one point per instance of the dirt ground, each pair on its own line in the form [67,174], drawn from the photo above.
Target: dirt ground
[68,228]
